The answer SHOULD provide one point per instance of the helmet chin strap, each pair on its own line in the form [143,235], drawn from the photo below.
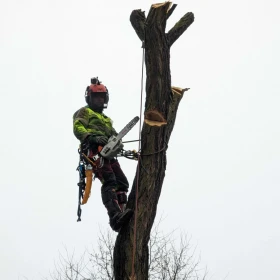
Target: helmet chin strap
[97,109]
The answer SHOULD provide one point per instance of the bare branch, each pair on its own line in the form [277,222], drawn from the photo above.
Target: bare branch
[169,259]
[171,10]
[180,27]
[137,19]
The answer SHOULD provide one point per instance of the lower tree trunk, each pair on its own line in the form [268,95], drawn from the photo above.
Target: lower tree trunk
[131,254]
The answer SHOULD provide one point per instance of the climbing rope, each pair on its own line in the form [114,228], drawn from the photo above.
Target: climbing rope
[138,169]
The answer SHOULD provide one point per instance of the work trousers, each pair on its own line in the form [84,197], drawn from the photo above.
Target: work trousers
[112,179]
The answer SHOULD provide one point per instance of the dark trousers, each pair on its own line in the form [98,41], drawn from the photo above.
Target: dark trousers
[113,179]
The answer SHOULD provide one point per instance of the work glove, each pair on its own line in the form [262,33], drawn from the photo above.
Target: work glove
[114,132]
[99,140]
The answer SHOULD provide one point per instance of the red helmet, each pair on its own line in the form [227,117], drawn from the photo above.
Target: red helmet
[96,86]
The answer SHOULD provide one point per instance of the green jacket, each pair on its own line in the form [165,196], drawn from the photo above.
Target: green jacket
[88,122]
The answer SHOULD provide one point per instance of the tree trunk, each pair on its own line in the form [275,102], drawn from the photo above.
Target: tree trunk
[131,255]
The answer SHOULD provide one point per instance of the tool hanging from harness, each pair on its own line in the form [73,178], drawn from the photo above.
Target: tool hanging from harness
[89,163]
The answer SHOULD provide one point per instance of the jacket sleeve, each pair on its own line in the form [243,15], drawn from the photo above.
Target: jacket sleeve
[80,123]
[114,132]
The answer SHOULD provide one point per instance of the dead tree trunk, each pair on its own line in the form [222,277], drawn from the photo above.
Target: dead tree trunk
[162,101]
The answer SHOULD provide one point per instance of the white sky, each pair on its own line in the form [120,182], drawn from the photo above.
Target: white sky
[222,178]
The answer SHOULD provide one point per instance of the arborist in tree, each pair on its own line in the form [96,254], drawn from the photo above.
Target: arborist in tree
[93,128]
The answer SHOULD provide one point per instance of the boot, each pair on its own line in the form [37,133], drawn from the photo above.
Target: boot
[117,217]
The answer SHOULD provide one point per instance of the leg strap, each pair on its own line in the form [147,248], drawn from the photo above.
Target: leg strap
[122,197]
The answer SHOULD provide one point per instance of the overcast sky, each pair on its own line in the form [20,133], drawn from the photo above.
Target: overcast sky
[222,177]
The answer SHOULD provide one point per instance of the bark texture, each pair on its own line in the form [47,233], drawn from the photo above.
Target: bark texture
[162,101]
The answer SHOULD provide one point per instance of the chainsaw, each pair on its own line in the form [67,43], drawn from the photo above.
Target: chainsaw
[115,145]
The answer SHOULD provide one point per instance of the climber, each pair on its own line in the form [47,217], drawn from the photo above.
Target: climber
[93,128]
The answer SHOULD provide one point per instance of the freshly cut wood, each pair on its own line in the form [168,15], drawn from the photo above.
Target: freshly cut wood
[162,4]
[178,90]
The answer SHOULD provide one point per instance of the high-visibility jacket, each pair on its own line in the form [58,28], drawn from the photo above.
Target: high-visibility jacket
[88,122]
